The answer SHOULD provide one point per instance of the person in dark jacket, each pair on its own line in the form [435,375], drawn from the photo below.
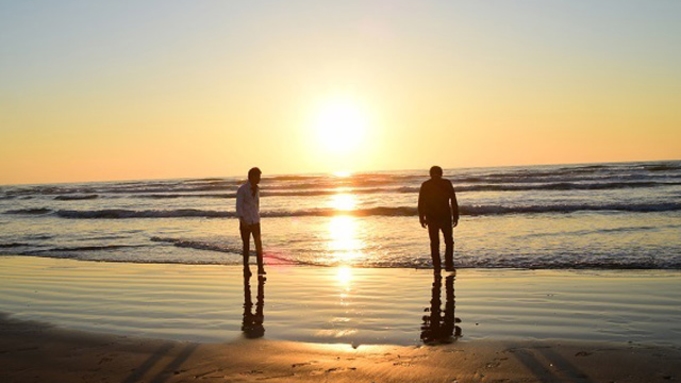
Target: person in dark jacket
[439,212]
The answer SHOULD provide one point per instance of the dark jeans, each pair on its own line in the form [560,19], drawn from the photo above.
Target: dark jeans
[246,232]
[434,228]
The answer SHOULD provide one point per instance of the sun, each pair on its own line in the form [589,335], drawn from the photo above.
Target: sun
[340,127]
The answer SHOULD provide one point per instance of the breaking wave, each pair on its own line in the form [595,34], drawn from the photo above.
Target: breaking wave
[95,248]
[400,211]
[35,211]
[75,197]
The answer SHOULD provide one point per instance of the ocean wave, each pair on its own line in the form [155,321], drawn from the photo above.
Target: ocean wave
[662,167]
[95,248]
[196,213]
[264,193]
[124,213]
[75,197]
[33,211]
[232,250]
[569,265]
[422,262]
[576,177]
[552,178]
[224,248]
[589,186]
[13,244]
[554,186]
[204,180]
[317,190]
[197,195]
[39,237]
[121,188]
[179,188]
[197,244]
[569,208]
[397,211]
[296,177]
[557,186]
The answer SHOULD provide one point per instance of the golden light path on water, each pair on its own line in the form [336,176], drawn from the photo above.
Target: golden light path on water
[343,245]
[344,277]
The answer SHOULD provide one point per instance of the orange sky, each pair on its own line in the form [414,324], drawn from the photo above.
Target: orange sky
[128,91]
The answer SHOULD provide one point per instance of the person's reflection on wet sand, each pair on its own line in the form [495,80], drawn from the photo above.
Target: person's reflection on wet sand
[436,327]
[252,325]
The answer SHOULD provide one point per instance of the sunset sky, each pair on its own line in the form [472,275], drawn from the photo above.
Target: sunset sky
[111,90]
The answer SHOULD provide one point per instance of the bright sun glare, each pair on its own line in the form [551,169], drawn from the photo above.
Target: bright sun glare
[343,240]
[343,202]
[340,126]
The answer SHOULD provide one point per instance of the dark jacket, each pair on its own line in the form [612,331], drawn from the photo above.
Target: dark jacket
[434,201]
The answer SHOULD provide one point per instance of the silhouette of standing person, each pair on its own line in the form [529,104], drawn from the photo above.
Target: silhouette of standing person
[248,211]
[439,211]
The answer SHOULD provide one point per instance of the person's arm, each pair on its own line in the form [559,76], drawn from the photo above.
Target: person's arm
[455,207]
[240,204]
[422,215]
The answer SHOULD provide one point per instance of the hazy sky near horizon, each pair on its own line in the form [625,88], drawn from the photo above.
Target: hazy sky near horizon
[95,90]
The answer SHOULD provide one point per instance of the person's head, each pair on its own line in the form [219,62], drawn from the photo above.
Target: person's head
[435,172]
[254,176]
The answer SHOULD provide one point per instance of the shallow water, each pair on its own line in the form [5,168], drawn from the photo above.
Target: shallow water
[344,305]
[602,216]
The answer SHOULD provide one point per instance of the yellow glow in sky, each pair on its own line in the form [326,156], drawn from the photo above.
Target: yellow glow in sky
[143,90]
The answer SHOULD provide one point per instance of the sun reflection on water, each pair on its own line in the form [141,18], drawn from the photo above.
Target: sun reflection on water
[343,241]
[343,202]
[342,174]
[344,276]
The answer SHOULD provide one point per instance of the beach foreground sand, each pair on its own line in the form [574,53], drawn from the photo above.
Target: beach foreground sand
[73,321]
[35,352]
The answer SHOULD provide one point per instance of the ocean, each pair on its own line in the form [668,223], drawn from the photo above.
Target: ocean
[595,216]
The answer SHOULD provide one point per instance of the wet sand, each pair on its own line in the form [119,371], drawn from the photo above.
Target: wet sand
[33,352]
[68,320]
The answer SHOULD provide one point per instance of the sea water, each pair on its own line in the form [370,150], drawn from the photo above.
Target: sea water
[595,216]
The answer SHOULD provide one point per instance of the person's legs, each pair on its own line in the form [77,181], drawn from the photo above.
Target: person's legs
[449,246]
[245,240]
[258,247]
[434,234]
[449,319]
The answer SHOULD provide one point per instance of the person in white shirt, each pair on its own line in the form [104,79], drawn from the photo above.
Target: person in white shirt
[248,211]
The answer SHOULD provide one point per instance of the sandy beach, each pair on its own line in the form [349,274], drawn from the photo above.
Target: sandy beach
[31,352]
[68,320]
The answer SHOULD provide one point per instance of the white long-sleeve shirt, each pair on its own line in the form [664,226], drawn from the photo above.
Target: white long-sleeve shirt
[247,204]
